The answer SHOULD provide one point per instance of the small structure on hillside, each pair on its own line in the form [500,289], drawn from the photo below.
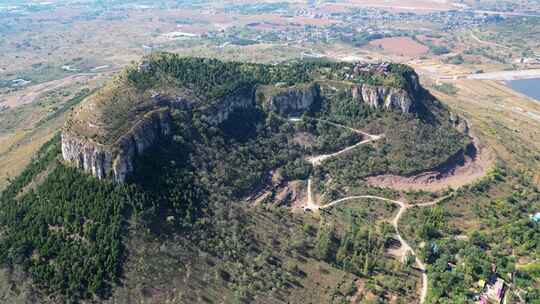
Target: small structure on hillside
[494,289]
[535,217]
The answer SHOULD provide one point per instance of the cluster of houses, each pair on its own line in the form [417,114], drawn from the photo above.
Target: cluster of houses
[379,68]
[374,22]
[495,288]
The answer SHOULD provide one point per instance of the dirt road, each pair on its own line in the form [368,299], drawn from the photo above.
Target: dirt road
[31,93]
[487,42]
[405,249]
[317,160]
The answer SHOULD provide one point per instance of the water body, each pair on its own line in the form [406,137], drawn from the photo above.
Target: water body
[529,87]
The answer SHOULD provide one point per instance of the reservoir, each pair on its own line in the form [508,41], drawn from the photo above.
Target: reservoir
[529,87]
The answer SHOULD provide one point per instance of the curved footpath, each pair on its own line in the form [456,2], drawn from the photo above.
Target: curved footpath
[405,248]
[317,160]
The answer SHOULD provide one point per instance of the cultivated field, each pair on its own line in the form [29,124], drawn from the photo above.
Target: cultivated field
[401,46]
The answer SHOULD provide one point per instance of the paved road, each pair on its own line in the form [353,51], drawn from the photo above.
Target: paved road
[507,75]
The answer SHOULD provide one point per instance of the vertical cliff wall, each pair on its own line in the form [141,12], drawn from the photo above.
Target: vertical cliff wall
[116,160]
[220,111]
[130,114]
[290,100]
[386,98]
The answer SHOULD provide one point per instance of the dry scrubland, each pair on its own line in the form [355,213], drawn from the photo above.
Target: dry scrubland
[27,126]
[508,121]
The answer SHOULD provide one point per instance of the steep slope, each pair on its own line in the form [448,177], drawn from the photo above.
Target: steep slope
[125,118]
[165,157]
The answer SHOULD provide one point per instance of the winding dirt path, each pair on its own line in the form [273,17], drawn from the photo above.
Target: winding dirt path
[405,248]
[477,39]
[319,159]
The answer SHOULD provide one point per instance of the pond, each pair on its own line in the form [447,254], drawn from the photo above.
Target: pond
[529,87]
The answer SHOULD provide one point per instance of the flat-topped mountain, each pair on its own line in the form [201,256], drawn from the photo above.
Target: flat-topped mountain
[125,118]
[181,145]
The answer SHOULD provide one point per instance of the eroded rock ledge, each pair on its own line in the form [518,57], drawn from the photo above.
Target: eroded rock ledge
[116,160]
[120,122]
[291,100]
[386,98]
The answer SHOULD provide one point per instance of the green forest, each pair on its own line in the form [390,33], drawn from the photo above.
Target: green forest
[458,258]
[71,232]
[212,79]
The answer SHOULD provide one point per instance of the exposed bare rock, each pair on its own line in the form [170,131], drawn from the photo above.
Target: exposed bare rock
[116,160]
[459,123]
[291,100]
[386,98]
[86,155]
[219,112]
[130,114]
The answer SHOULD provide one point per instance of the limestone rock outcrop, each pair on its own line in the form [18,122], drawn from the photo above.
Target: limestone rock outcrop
[219,112]
[127,117]
[386,98]
[461,124]
[291,100]
[116,160]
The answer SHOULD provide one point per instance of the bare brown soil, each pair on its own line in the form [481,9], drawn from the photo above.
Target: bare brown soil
[403,46]
[455,173]
[195,29]
[435,41]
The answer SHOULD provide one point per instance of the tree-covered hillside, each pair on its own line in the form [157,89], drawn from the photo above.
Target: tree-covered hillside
[68,230]
[211,79]
[80,239]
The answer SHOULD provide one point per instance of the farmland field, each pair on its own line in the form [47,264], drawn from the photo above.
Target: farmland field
[402,46]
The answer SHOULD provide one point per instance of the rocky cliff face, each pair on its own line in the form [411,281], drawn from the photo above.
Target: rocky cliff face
[86,155]
[144,115]
[386,98]
[116,160]
[220,111]
[459,123]
[293,100]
